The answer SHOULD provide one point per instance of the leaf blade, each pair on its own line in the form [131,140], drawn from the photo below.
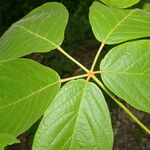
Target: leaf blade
[40,31]
[7,139]
[75,117]
[120,4]
[125,71]
[125,24]
[24,97]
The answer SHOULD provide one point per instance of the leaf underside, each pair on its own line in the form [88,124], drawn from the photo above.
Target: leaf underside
[77,119]
[26,90]
[40,31]
[113,26]
[126,72]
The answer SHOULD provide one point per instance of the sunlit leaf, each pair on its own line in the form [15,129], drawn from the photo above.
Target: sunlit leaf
[77,119]
[39,31]
[126,72]
[112,25]
[120,3]
[146,6]
[7,139]
[26,90]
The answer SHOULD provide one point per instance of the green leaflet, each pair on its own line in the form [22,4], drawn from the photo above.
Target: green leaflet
[7,139]
[40,31]
[77,119]
[26,90]
[120,3]
[126,72]
[112,25]
[146,6]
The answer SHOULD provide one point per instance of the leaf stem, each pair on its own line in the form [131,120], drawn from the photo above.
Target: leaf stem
[74,77]
[97,72]
[70,57]
[121,105]
[91,73]
[96,57]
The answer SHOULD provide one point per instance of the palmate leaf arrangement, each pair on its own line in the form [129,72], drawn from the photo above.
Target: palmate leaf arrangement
[75,116]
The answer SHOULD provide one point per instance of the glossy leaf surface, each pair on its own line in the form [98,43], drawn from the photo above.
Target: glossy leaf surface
[26,90]
[120,3]
[77,119]
[112,25]
[126,72]
[39,31]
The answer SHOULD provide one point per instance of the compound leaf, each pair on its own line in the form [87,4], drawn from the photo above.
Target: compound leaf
[40,31]
[26,90]
[77,119]
[119,3]
[126,72]
[112,25]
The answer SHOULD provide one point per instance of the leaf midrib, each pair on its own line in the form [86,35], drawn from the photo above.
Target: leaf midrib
[75,126]
[35,34]
[112,30]
[30,95]
[123,72]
